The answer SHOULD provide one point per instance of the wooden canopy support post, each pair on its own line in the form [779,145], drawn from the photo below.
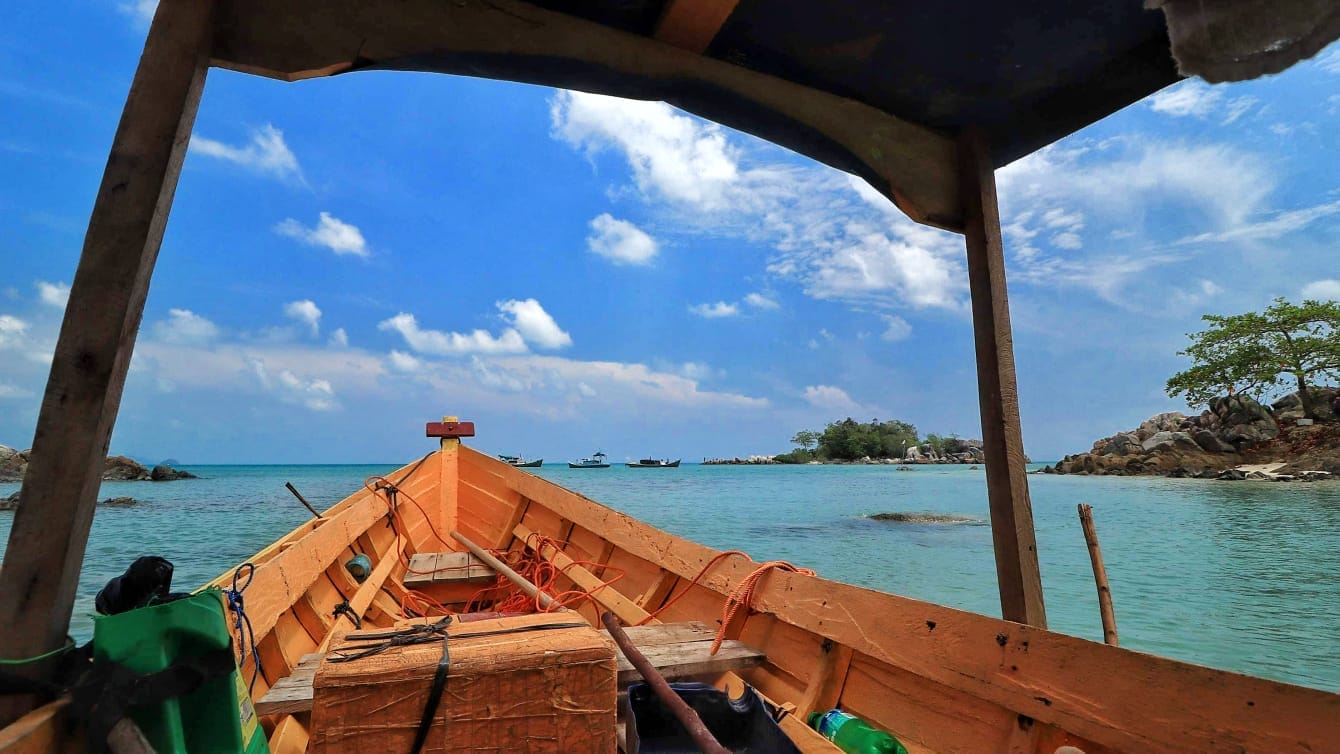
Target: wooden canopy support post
[97,337]
[693,24]
[1006,477]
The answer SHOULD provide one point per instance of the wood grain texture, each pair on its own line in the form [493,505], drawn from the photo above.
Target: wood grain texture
[40,731]
[1139,705]
[693,24]
[609,597]
[913,166]
[50,528]
[1012,531]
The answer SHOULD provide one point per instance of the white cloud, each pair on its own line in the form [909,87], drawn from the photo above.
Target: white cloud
[339,338]
[1126,185]
[266,153]
[715,311]
[13,391]
[760,301]
[441,343]
[1210,288]
[872,266]
[895,328]
[620,241]
[1126,176]
[314,393]
[829,397]
[403,362]
[185,327]
[1189,98]
[330,232]
[819,221]
[1330,62]
[1281,224]
[696,371]
[534,323]
[1238,107]
[1322,290]
[53,294]
[12,331]
[306,312]
[671,154]
[621,386]
[142,11]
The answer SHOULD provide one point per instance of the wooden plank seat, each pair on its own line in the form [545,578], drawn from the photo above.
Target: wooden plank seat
[681,650]
[678,650]
[293,692]
[427,568]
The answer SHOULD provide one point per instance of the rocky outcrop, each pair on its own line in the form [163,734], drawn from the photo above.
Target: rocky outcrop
[165,473]
[1290,407]
[12,502]
[1242,422]
[14,464]
[738,461]
[953,450]
[121,469]
[1235,430]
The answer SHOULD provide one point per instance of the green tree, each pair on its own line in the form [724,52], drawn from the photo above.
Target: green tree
[806,439]
[1262,353]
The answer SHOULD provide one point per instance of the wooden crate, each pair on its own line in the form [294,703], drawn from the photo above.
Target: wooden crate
[550,690]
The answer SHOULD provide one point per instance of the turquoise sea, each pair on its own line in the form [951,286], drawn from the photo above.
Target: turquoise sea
[1236,575]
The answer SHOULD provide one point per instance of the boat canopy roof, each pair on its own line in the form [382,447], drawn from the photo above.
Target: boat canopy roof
[905,76]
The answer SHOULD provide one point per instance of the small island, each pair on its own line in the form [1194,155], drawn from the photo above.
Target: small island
[875,442]
[1237,363]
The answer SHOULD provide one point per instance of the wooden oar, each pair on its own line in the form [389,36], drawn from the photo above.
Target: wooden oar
[530,589]
[697,729]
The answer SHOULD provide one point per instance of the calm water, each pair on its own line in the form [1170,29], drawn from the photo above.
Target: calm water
[1242,576]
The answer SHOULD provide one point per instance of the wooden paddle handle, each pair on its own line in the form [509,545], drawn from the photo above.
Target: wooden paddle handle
[706,742]
[501,567]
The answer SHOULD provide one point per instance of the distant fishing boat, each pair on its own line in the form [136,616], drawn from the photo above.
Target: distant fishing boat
[596,461]
[654,463]
[520,462]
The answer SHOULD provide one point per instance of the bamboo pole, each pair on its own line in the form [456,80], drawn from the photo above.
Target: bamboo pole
[1099,574]
[501,567]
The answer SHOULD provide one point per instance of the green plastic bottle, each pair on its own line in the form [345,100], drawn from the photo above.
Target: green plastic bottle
[216,718]
[852,734]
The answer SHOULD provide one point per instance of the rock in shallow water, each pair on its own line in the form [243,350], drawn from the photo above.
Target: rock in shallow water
[12,502]
[923,518]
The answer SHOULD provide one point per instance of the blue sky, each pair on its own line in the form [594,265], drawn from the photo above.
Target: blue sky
[348,258]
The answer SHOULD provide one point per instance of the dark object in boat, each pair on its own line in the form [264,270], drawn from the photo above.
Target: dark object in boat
[741,725]
[148,579]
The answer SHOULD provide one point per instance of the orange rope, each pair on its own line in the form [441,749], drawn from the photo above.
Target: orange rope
[716,559]
[743,595]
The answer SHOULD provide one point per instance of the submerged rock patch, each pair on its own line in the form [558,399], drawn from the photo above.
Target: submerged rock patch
[923,518]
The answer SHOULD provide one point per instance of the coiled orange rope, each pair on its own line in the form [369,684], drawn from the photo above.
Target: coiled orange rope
[742,596]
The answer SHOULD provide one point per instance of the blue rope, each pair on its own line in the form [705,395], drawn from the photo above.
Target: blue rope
[240,620]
